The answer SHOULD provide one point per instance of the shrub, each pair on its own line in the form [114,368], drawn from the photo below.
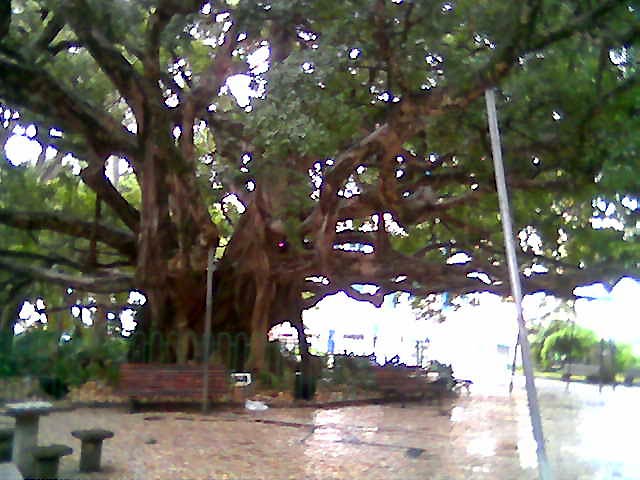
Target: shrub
[572,342]
[351,370]
[624,359]
[59,364]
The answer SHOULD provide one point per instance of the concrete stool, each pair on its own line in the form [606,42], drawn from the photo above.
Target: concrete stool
[47,460]
[6,444]
[91,447]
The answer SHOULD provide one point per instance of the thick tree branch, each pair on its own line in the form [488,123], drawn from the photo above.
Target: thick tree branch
[94,176]
[50,32]
[212,79]
[32,88]
[169,8]
[55,48]
[426,277]
[158,21]
[581,23]
[48,260]
[355,237]
[121,240]
[97,284]
[321,291]
[403,122]
[109,59]
[51,260]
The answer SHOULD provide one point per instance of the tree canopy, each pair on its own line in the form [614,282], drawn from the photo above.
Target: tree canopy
[355,150]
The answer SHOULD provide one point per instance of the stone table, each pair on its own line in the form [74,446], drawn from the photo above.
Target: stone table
[25,437]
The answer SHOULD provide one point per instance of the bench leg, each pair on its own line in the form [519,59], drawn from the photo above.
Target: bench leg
[133,405]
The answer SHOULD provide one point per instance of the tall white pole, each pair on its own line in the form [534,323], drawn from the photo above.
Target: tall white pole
[516,289]
[207,332]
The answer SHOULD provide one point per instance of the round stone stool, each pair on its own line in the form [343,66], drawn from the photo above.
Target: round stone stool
[91,447]
[47,460]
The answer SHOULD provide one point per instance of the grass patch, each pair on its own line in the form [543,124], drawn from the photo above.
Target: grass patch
[552,375]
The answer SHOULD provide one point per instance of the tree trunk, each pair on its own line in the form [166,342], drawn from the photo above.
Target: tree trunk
[305,357]
[174,236]
[7,321]
[253,292]
[260,326]
[250,293]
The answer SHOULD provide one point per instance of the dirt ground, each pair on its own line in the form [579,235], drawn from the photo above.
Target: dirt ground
[486,435]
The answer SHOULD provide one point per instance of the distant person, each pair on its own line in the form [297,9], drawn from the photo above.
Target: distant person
[331,344]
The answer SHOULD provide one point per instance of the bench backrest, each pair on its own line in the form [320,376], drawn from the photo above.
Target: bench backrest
[398,376]
[146,379]
[581,369]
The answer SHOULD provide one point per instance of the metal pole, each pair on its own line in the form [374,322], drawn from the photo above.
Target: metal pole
[516,289]
[513,365]
[207,332]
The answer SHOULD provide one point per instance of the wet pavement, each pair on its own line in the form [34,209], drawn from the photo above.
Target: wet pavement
[487,435]
[590,434]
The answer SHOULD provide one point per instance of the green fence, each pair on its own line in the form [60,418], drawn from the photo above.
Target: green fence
[230,349]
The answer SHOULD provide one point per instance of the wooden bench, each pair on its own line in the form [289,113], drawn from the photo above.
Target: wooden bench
[580,369]
[398,381]
[408,383]
[630,375]
[161,381]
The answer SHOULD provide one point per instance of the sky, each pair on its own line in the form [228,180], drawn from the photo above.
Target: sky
[477,339]
[612,315]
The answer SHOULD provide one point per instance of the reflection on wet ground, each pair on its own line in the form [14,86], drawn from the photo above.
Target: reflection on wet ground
[595,431]
[473,438]
[486,435]
[589,435]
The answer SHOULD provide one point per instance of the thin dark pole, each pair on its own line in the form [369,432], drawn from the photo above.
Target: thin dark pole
[207,332]
[516,288]
[513,365]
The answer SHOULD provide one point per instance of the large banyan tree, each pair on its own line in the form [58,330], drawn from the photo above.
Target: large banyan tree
[316,146]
